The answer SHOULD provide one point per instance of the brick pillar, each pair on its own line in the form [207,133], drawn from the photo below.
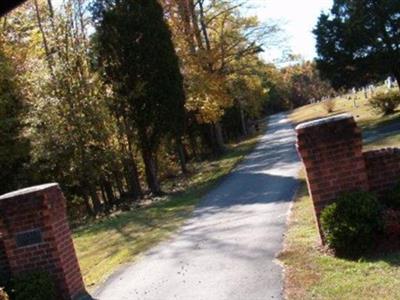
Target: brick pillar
[36,236]
[4,267]
[331,150]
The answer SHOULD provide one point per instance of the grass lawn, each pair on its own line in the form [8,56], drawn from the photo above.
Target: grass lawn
[365,116]
[312,274]
[390,141]
[103,246]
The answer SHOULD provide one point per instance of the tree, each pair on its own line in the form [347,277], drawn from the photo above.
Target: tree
[212,39]
[248,89]
[358,41]
[303,83]
[73,135]
[140,63]
[72,124]
[14,148]
[95,101]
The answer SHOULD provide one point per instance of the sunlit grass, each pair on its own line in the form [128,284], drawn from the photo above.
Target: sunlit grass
[312,274]
[122,238]
[309,272]
[390,141]
[365,116]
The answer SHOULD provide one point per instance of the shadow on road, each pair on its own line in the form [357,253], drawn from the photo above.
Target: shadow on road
[227,248]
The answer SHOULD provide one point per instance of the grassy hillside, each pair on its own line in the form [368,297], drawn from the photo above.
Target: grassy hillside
[356,104]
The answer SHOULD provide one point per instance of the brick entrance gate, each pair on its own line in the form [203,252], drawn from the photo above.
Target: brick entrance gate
[331,150]
[35,235]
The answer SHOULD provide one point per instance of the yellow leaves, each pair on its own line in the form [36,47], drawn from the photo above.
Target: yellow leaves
[207,110]
[207,96]
[218,52]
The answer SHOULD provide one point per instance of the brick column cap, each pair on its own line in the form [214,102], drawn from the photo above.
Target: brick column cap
[325,120]
[30,190]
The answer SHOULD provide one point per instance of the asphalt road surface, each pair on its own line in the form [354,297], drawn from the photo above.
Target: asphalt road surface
[227,249]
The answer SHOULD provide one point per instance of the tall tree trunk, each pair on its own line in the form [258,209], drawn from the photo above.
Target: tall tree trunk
[132,177]
[44,38]
[219,137]
[184,11]
[214,139]
[242,119]
[185,153]
[396,74]
[193,144]
[109,192]
[209,138]
[203,25]
[181,154]
[151,172]
[95,199]
[51,10]
[118,182]
[86,201]
[106,202]
[195,24]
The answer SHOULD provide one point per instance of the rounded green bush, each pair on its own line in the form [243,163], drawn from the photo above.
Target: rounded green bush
[385,103]
[33,286]
[350,225]
[392,199]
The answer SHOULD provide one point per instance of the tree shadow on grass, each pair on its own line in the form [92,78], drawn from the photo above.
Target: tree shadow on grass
[391,258]
[382,131]
[230,221]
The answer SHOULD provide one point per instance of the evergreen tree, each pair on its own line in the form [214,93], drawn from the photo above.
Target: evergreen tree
[358,42]
[139,61]
[14,149]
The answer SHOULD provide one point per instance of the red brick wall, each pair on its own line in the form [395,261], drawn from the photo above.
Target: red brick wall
[4,267]
[331,151]
[383,169]
[41,208]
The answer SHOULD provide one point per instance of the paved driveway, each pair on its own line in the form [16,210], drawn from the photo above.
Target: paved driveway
[227,249]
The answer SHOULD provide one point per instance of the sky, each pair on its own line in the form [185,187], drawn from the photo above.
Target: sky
[297,19]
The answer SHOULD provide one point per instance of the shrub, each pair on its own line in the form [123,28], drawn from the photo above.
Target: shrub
[33,286]
[351,223]
[392,200]
[329,105]
[385,103]
[391,221]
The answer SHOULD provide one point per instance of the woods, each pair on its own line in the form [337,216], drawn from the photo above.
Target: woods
[110,105]
[14,149]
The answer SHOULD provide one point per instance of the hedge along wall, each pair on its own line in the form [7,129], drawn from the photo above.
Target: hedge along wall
[331,151]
